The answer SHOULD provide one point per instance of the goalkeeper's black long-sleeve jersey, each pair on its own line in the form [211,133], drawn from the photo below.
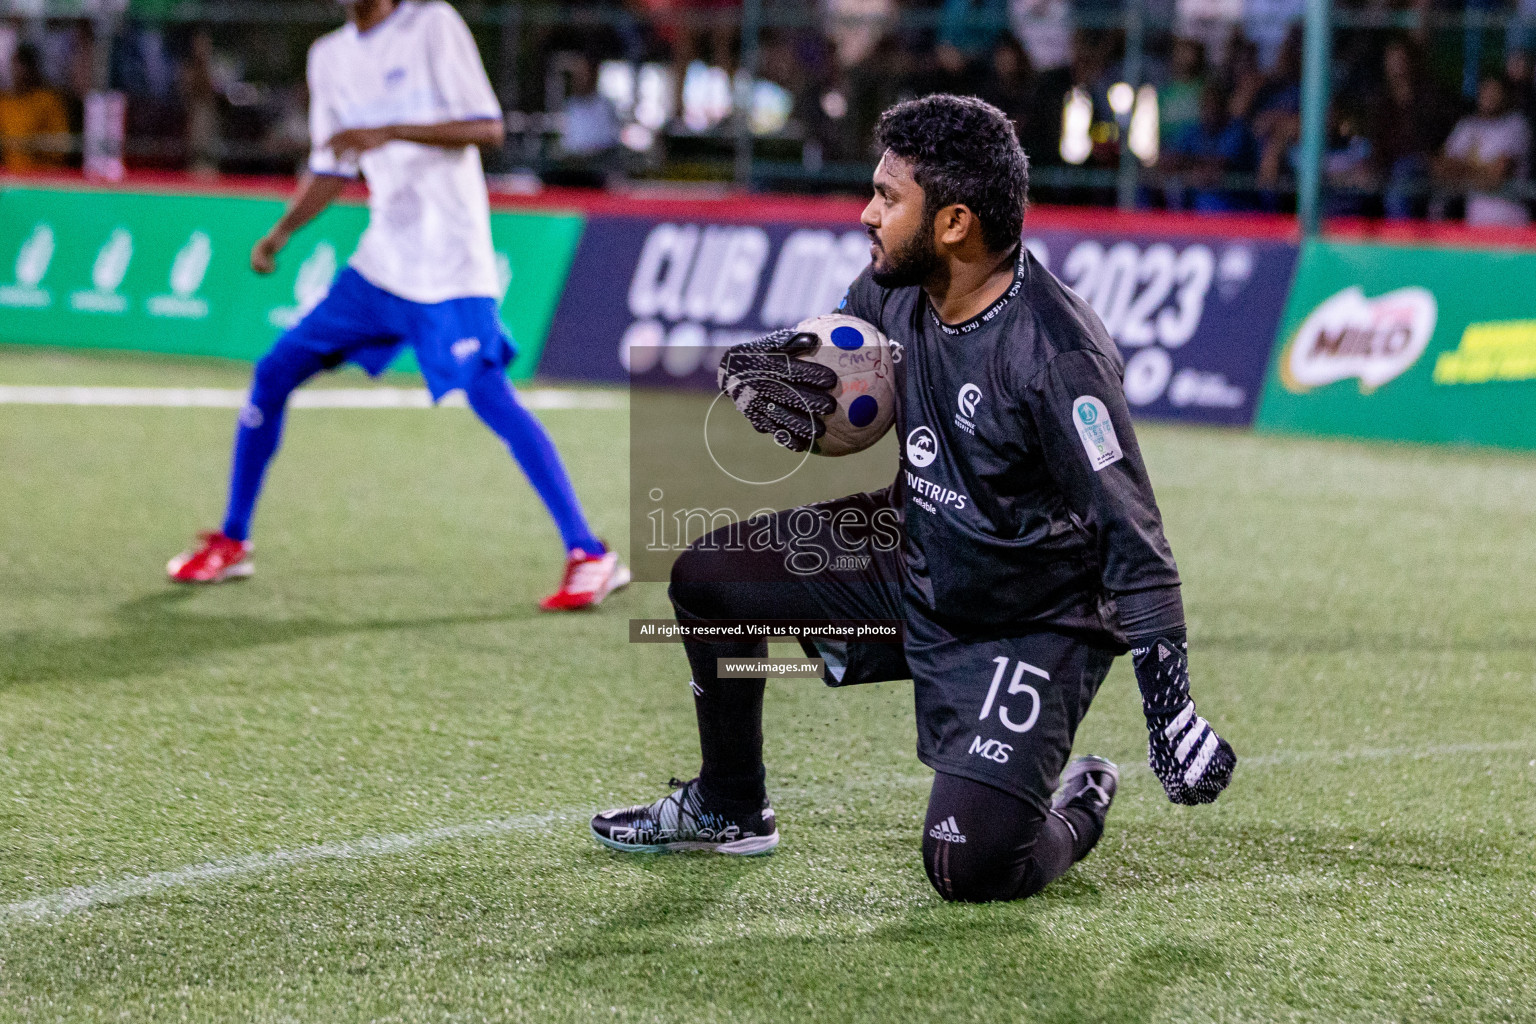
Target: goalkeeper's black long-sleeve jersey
[1024,496]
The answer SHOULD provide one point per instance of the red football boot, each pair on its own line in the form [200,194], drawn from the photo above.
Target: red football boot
[588,579]
[217,558]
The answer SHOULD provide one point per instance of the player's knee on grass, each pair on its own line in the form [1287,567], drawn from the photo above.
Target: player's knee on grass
[982,845]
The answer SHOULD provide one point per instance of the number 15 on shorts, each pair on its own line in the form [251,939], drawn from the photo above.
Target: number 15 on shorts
[1016,685]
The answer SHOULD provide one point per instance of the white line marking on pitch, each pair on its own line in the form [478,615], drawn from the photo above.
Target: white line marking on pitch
[84,897]
[304,398]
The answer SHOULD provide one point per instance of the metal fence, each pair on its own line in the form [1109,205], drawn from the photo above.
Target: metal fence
[752,93]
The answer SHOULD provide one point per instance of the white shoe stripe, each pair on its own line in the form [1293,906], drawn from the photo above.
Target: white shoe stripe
[1199,729]
[1202,759]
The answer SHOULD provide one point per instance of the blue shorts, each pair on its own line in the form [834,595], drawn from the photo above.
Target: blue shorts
[364,324]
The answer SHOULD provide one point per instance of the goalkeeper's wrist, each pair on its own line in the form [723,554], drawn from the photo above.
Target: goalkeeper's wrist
[1162,672]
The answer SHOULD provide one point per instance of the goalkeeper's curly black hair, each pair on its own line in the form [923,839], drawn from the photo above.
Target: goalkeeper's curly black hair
[962,150]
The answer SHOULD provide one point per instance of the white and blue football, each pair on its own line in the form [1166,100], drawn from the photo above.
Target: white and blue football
[865,362]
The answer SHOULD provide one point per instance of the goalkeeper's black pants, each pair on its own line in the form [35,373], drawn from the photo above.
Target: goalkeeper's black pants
[990,833]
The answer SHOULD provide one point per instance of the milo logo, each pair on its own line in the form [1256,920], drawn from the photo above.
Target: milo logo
[1348,335]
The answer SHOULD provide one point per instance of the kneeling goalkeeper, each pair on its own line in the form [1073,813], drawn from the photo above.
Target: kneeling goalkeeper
[1028,549]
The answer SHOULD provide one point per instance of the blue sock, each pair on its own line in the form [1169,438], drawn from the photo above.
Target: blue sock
[494,402]
[261,429]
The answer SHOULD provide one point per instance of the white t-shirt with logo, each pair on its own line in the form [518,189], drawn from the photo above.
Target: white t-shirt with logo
[1486,139]
[429,224]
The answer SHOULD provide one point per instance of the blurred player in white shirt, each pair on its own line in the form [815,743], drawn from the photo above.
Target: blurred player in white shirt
[398,95]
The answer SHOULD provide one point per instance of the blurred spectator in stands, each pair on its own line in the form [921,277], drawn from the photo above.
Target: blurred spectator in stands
[1274,117]
[1520,74]
[1522,30]
[1241,75]
[1408,120]
[1009,83]
[200,95]
[1279,97]
[1086,70]
[855,27]
[1200,156]
[1178,100]
[872,88]
[948,70]
[589,132]
[1487,150]
[286,139]
[34,128]
[10,38]
[1045,29]
[708,31]
[80,62]
[1349,176]
[972,26]
[1349,172]
[1270,23]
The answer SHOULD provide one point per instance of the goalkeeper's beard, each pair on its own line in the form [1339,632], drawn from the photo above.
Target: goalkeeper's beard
[910,264]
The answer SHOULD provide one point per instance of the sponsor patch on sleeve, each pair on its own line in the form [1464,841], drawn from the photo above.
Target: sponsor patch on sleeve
[1097,431]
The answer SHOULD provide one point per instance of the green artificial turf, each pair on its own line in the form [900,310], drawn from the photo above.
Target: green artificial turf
[1361,630]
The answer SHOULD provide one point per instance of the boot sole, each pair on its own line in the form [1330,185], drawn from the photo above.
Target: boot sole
[238,571]
[752,846]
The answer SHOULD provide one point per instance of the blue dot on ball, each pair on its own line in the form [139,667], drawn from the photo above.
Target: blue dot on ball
[862,410]
[847,337]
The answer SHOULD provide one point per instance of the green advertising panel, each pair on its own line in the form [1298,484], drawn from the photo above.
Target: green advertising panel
[1407,344]
[169,273]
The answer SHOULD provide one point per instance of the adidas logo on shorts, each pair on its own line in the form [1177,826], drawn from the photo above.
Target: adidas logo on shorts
[947,831]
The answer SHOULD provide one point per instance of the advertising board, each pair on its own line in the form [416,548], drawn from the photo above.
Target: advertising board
[1410,344]
[1194,315]
[169,272]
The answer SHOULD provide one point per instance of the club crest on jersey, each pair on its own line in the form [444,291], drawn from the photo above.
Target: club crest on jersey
[922,447]
[1097,431]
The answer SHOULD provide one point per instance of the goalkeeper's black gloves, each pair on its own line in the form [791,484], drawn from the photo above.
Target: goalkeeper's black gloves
[778,393]
[1189,759]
